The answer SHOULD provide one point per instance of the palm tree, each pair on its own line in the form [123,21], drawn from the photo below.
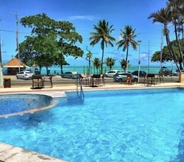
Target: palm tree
[164,16]
[128,36]
[110,62]
[124,64]
[96,63]
[102,33]
[176,7]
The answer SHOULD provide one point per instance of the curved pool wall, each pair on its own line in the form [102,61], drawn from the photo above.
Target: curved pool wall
[14,103]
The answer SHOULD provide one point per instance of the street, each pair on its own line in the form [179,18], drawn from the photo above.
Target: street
[58,80]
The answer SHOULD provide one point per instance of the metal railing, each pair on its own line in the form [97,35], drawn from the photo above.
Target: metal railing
[79,89]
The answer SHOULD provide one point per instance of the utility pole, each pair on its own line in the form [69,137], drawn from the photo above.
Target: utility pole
[17,36]
[1,71]
[148,55]
[139,62]
[161,46]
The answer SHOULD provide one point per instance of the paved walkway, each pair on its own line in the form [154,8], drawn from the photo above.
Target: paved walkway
[73,87]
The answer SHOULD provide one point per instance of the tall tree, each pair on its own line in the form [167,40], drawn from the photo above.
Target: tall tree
[176,7]
[60,60]
[166,55]
[102,33]
[128,35]
[49,38]
[164,16]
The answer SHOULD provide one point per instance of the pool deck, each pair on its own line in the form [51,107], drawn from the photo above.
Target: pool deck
[9,153]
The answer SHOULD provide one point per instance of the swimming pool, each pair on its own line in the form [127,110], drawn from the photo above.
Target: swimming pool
[111,125]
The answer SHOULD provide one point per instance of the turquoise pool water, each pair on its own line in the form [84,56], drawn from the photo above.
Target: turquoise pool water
[109,126]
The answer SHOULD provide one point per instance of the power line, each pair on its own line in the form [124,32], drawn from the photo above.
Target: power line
[11,31]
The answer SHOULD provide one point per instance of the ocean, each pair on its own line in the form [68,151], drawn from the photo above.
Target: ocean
[55,70]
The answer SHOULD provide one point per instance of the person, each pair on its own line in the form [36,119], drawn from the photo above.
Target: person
[129,79]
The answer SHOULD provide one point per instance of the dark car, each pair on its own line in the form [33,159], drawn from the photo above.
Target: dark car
[177,73]
[122,77]
[164,70]
[141,73]
[69,74]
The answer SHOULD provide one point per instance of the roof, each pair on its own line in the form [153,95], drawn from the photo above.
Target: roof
[13,63]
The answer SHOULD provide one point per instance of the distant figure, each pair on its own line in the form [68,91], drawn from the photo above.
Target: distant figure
[129,80]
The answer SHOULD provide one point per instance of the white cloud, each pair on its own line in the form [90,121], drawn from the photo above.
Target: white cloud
[143,55]
[89,17]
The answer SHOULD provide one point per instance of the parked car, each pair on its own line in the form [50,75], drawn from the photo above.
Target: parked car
[111,73]
[176,73]
[69,74]
[141,73]
[24,75]
[122,77]
[165,71]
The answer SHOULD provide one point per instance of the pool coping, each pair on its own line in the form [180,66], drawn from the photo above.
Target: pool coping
[9,153]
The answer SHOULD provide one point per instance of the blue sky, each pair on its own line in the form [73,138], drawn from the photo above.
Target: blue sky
[84,14]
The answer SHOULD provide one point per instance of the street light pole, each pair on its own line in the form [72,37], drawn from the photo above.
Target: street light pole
[139,62]
[1,71]
[17,37]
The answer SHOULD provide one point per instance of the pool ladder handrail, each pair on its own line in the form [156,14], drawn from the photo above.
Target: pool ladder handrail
[80,92]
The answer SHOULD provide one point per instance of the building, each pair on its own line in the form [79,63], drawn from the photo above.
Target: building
[13,66]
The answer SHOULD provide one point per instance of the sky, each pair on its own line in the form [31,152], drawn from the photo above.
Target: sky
[84,14]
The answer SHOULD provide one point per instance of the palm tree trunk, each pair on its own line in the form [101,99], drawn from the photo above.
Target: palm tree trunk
[102,61]
[179,45]
[170,48]
[126,59]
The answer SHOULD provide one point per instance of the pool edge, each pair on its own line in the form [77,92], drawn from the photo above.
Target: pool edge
[9,153]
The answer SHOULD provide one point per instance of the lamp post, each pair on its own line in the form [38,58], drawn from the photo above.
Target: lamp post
[1,72]
[17,39]
[148,55]
[139,62]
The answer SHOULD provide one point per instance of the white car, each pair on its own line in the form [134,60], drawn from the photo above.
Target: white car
[111,73]
[70,74]
[24,75]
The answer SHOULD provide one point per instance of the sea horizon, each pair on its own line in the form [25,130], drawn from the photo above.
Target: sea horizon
[56,70]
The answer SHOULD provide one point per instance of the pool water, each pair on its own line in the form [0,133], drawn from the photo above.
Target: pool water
[109,126]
